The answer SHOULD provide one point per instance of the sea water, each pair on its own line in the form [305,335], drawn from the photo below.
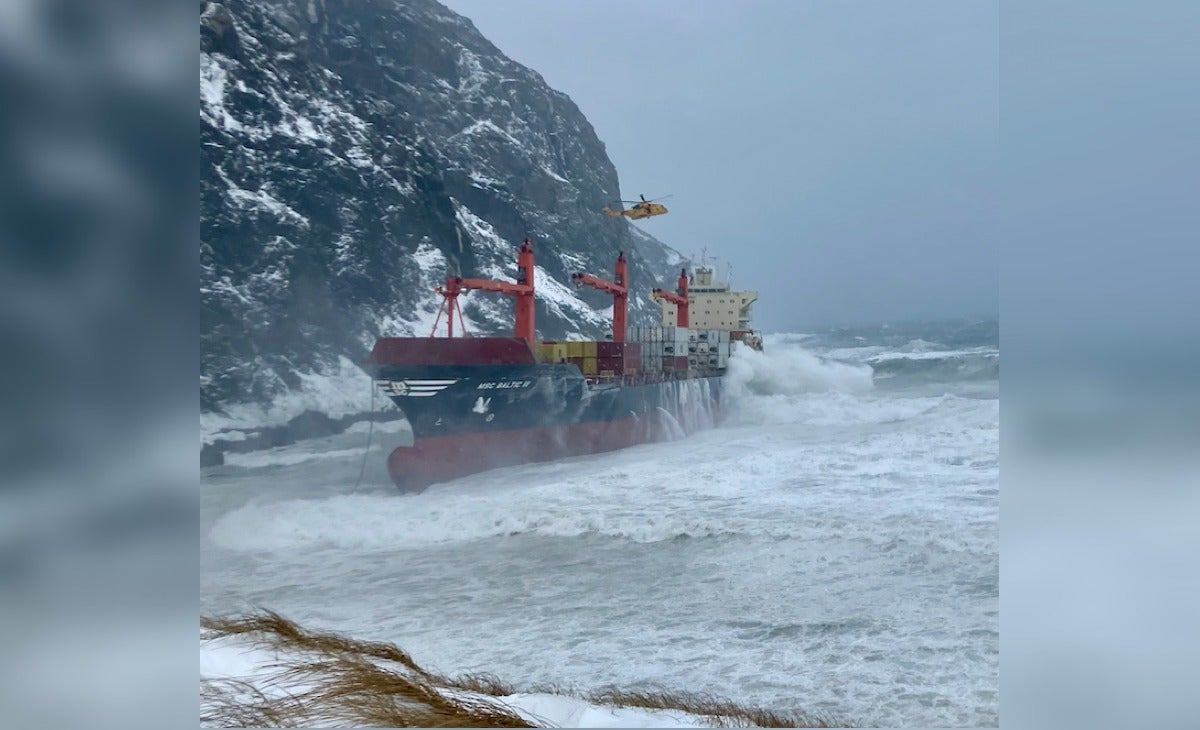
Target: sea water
[832,546]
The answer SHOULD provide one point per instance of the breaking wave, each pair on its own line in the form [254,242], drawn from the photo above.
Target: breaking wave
[938,365]
[787,369]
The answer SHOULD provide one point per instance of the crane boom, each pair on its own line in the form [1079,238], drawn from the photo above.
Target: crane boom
[679,298]
[619,291]
[522,291]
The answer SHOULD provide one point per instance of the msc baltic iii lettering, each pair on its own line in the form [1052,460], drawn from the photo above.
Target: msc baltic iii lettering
[476,403]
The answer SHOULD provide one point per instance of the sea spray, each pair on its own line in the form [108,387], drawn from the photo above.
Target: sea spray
[672,429]
[790,370]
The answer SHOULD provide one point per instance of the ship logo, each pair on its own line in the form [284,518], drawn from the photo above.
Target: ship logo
[415,388]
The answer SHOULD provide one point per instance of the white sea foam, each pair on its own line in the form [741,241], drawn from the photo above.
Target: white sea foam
[790,369]
[831,541]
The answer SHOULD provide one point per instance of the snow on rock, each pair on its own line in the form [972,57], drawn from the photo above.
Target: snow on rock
[354,154]
[342,390]
[560,299]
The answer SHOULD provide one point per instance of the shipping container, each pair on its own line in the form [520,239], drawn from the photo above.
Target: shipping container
[589,349]
[589,366]
[574,350]
[610,349]
[560,352]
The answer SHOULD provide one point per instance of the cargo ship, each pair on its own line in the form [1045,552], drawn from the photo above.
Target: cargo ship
[477,403]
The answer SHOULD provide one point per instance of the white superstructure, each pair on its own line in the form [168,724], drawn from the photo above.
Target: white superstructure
[712,305]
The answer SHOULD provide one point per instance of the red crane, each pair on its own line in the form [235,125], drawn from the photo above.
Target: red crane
[679,298]
[619,290]
[522,290]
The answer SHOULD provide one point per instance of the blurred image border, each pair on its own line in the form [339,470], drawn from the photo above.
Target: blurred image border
[1100,317]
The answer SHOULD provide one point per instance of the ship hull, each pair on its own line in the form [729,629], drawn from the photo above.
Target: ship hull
[468,418]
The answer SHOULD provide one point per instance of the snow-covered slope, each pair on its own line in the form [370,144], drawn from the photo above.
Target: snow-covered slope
[354,152]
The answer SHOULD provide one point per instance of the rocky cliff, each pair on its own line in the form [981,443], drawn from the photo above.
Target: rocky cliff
[355,152]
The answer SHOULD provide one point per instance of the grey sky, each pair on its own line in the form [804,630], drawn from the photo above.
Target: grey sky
[841,155]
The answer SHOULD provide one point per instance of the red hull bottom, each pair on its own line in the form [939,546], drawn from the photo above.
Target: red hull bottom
[439,459]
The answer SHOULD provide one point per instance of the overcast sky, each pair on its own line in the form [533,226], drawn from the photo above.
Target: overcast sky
[842,156]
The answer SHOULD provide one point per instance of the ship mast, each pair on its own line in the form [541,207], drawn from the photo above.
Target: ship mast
[679,298]
[523,292]
[619,290]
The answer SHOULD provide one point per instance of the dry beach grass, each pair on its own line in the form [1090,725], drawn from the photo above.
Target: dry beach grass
[325,679]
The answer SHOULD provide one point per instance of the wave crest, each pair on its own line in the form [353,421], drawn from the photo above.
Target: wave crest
[787,369]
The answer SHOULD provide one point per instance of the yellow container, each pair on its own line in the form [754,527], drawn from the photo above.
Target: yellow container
[589,365]
[589,349]
[574,349]
[545,353]
[560,352]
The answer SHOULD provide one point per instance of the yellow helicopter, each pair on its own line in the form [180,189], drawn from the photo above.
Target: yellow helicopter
[641,209]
